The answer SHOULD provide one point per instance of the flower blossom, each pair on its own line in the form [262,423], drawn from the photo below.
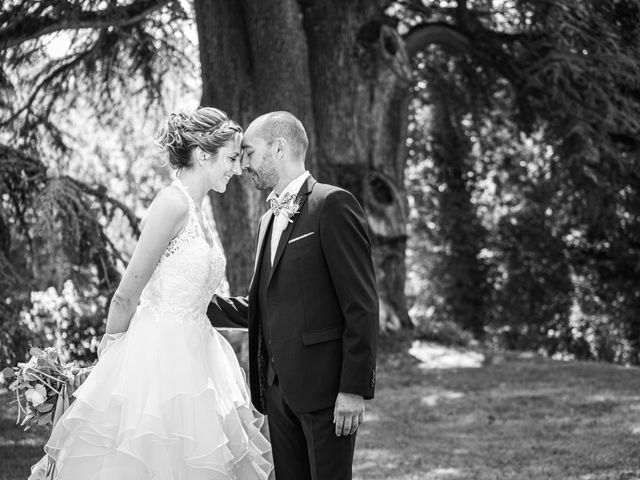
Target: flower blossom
[36,396]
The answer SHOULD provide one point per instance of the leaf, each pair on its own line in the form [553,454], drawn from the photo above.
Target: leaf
[36,352]
[44,419]
[8,373]
[45,407]
[52,354]
[27,419]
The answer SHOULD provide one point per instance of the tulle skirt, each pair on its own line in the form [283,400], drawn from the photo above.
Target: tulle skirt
[168,400]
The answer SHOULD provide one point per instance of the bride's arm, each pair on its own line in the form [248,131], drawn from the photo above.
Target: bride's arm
[167,215]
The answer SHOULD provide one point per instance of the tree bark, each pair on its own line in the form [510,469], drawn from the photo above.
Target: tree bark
[254,58]
[462,278]
[360,80]
[346,75]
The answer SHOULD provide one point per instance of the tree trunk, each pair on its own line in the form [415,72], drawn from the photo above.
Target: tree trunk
[460,272]
[253,57]
[346,76]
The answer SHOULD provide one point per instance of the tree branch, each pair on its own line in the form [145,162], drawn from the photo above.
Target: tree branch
[101,194]
[462,11]
[33,27]
[47,79]
[418,6]
[441,34]
[6,152]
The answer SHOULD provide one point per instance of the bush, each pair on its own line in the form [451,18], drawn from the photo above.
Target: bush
[446,332]
[72,320]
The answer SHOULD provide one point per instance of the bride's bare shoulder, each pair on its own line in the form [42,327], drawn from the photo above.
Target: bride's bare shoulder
[169,203]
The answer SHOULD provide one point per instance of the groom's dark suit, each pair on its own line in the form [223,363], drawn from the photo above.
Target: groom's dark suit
[312,319]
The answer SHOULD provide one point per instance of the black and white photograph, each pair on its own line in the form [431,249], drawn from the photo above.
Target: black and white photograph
[320,240]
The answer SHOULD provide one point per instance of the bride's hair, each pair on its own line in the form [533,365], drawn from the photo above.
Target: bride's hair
[207,128]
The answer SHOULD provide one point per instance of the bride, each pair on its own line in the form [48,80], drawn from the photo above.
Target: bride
[167,398]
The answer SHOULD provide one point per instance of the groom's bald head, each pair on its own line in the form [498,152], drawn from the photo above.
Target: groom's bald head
[274,125]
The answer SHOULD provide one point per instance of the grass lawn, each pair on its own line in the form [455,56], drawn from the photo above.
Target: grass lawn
[515,419]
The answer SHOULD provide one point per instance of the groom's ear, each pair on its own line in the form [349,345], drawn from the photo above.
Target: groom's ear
[281,147]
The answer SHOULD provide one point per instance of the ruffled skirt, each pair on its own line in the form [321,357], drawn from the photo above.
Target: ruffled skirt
[169,401]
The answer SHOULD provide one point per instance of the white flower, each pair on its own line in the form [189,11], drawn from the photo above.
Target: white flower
[291,208]
[36,396]
[32,363]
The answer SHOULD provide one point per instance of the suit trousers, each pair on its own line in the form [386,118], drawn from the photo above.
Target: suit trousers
[305,445]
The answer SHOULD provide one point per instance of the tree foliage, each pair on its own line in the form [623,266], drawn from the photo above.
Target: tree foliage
[548,95]
[57,58]
[520,166]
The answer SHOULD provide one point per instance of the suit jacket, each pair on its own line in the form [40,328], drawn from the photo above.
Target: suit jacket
[323,302]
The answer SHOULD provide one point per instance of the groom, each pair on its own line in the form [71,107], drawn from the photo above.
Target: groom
[312,309]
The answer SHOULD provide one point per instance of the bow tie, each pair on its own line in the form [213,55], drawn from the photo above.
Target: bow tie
[278,204]
[288,206]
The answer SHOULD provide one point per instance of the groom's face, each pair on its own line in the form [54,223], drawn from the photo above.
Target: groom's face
[258,161]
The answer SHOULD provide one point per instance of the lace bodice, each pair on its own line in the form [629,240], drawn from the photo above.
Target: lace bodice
[188,272]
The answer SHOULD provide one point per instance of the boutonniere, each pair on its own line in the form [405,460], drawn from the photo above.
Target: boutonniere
[288,205]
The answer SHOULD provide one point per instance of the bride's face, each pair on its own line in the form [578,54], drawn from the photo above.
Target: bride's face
[219,168]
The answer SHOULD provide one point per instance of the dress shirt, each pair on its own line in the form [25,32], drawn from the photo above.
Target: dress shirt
[281,222]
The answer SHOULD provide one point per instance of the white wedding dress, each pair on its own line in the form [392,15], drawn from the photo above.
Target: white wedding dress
[167,400]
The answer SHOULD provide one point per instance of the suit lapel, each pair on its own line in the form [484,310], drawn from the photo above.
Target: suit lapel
[264,225]
[306,189]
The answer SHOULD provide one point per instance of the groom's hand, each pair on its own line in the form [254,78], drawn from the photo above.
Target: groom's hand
[348,413]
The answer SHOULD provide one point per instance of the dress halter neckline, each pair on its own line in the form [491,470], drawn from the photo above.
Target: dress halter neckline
[194,216]
[178,183]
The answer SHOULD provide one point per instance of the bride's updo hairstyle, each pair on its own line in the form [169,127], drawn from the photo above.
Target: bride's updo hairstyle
[207,128]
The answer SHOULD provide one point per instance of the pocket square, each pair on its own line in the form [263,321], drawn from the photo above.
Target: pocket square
[301,237]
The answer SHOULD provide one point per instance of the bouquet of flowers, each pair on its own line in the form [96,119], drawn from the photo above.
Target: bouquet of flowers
[41,387]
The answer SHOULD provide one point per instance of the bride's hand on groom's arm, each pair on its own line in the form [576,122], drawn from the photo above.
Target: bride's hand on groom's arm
[348,413]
